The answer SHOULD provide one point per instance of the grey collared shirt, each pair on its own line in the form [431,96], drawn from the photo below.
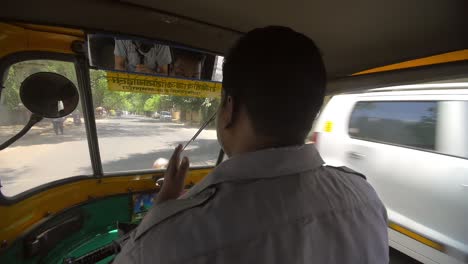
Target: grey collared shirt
[158,55]
[271,206]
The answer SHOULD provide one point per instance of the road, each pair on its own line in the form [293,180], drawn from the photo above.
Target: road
[126,143]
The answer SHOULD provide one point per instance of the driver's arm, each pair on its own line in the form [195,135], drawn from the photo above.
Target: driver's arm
[119,63]
[120,55]
[164,59]
[163,69]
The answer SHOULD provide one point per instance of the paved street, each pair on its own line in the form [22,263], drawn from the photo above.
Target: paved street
[126,143]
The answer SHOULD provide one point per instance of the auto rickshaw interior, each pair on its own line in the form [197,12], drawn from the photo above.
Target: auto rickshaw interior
[85,174]
[123,100]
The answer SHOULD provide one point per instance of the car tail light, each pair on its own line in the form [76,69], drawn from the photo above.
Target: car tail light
[314,137]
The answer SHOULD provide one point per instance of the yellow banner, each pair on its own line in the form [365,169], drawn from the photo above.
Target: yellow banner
[126,82]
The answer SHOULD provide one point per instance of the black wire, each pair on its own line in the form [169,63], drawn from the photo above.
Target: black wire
[220,157]
[200,129]
[32,121]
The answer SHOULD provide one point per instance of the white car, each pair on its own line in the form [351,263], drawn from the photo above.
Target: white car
[165,116]
[412,144]
[156,115]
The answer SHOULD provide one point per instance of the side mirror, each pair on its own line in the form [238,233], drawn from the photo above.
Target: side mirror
[48,95]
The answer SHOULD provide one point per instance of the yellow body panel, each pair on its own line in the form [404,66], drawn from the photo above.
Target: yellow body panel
[416,237]
[23,37]
[436,59]
[137,83]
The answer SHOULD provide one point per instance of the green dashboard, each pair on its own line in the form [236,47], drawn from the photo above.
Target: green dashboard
[76,232]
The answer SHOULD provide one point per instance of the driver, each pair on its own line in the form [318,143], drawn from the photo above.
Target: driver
[187,63]
[273,200]
[142,56]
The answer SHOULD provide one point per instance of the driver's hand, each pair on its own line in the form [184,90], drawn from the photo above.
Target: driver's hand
[142,68]
[174,177]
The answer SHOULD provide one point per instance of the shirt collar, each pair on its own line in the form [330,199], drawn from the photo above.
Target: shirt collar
[262,164]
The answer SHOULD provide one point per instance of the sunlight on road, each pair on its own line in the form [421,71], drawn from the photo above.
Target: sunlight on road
[126,144]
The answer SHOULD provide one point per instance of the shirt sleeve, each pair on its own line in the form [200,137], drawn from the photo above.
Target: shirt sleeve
[164,56]
[119,49]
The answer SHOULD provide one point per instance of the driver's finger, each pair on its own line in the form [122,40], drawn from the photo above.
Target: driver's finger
[183,169]
[175,154]
[174,161]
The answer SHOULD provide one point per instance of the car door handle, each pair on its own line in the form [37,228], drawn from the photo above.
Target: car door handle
[356,155]
[464,185]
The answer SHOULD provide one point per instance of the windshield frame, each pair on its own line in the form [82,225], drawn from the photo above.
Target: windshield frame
[82,72]
[17,57]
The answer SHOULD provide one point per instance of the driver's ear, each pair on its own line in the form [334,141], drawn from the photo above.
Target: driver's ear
[228,111]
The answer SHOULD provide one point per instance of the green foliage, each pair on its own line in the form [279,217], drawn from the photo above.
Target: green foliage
[166,103]
[138,103]
[209,107]
[66,69]
[152,104]
[21,70]
[11,91]
[99,86]
[102,97]
[114,101]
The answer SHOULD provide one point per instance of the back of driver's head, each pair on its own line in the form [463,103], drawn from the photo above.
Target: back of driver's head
[278,75]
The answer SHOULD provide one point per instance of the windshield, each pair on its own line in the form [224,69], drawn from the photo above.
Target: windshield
[131,137]
[140,115]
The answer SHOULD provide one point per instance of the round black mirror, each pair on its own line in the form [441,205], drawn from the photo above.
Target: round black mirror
[49,95]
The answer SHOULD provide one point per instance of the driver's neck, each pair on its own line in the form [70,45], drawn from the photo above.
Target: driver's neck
[248,144]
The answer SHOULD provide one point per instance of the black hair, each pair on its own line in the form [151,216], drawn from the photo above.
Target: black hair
[189,54]
[279,76]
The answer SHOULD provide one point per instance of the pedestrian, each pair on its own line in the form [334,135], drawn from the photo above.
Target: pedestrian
[58,125]
[77,117]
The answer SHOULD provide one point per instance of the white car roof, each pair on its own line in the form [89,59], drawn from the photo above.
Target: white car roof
[420,89]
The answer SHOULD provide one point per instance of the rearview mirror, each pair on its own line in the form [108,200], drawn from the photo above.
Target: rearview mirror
[148,57]
[49,95]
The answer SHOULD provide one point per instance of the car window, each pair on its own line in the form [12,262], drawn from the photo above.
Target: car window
[53,149]
[452,138]
[411,124]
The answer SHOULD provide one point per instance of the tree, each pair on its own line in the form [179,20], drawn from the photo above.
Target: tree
[103,97]
[11,92]
[165,103]
[64,68]
[207,106]
[137,101]
[98,86]
[21,70]
[152,104]
[115,101]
